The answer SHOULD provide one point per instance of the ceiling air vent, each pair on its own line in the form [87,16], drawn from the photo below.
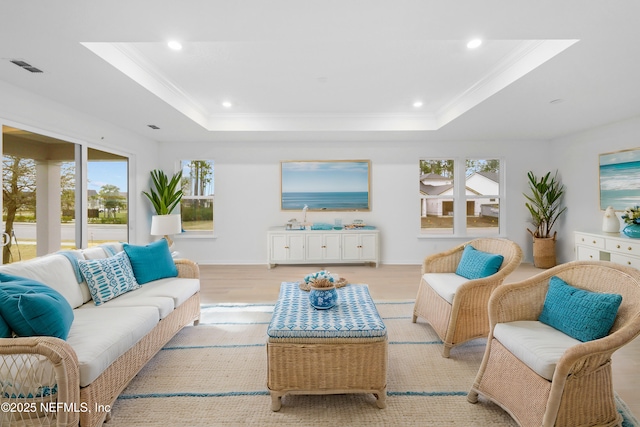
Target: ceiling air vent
[26,66]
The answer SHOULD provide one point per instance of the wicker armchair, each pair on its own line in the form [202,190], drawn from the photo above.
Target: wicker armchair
[581,389]
[466,317]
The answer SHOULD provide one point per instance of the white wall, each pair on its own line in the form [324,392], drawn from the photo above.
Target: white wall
[247,193]
[247,178]
[27,111]
[577,158]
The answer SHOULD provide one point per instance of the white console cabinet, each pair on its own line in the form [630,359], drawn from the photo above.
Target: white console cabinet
[322,246]
[614,247]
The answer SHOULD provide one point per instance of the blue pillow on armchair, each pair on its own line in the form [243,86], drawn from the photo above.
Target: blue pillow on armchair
[476,264]
[581,314]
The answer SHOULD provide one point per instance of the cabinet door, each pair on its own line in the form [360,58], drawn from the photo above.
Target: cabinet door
[351,247]
[278,247]
[296,247]
[332,244]
[368,247]
[315,247]
[287,247]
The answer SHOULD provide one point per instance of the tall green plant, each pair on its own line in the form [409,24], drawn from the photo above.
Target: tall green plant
[165,194]
[544,203]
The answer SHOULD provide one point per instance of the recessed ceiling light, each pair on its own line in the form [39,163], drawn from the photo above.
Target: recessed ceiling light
[417,104]
[474,43]
[227,104]
[175,45]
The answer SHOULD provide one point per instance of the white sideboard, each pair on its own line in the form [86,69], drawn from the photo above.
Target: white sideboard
[614,247]
[322,246]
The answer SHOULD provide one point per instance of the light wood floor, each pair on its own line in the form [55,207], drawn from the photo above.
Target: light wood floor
[257,283]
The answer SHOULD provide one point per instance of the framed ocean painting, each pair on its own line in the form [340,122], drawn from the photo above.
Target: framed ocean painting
[620,179]
[325,185]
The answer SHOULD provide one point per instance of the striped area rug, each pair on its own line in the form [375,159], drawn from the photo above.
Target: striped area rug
[215,375]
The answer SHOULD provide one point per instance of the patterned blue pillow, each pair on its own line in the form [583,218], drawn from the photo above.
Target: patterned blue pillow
[581,314]
[108,277]
[151,262]
[476,264]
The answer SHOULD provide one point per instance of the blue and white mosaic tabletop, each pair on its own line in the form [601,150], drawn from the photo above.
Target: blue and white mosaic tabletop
[355,315]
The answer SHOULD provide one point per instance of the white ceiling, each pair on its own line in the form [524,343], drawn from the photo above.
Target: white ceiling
[327,70]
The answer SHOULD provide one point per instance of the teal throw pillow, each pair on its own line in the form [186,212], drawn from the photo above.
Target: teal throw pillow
[151,262]
[108,277]
[31,308]
[476,264]
[5,330]
[581,314]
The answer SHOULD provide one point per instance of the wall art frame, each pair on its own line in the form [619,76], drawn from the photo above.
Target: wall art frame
[619,179]
[325,185]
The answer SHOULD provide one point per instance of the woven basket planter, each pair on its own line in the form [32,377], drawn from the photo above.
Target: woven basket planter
[544,252]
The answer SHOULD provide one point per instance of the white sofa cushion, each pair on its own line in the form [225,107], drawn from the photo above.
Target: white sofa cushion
[178,288]
[537,345]
[164,305]
[445,284]
[53,270]
[165,295]
[102,335]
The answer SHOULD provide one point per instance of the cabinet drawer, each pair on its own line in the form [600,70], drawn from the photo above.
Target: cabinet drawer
[588,240]
[625,260]
[584,253]
[623,246]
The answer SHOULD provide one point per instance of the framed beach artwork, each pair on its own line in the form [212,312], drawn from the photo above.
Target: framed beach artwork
[620,179]
[326,185]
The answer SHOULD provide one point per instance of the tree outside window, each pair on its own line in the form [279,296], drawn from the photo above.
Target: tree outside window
[111,202]
[436,196]
[197,202]
[18,197]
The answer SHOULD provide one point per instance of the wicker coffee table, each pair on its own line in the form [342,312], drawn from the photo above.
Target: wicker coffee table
[335,351]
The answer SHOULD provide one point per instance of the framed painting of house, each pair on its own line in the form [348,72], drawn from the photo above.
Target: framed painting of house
[620,179]
[325,185]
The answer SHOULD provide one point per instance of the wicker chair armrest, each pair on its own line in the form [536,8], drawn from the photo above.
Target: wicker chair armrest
[517,301]
[65,365]
[591,355]
[485,284]
[443,262]
[187,268]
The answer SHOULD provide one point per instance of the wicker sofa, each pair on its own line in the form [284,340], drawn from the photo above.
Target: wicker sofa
[52,381]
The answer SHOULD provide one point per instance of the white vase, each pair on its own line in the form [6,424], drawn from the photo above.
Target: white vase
[610,222]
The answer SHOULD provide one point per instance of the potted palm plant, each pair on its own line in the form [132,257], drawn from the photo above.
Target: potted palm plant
[165,194]
[545,206]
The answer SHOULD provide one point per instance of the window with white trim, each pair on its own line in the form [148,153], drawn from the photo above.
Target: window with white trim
[460,197]
[197,202]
